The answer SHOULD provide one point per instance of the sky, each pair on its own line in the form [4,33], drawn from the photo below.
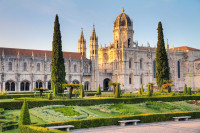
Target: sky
[28,24]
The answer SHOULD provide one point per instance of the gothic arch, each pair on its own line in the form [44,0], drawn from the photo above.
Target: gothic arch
[25,85]
[10,85]
[39,84]
[87,86]
[75,81]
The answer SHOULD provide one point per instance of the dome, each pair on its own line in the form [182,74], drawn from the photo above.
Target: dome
[122,20]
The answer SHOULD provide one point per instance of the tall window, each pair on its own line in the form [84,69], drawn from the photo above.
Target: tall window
[25,66]
[141,65]
[38,67]
[86,86]
[129,43]
[141,79]
[10,66]
[130,79]
[75,68]
[10,86]
[154,69]
[130,63]
[179,70]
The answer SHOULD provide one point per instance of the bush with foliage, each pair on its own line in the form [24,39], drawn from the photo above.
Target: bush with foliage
[3,93]
[82,94]
[149,93]
[185,89]
[99,90]
[24,118]
[189,91]
[142,89]
[117,92]
[139,91]
[50,96]
[36,129]
[71,88]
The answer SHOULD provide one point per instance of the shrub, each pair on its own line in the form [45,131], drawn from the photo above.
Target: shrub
[189,91]
[142,89]
[149,93]
[99,90]
[50,96]
[35,129]
[24,118]
[1,110]
[117,92]
[82,92]
[185,89]
[139,91]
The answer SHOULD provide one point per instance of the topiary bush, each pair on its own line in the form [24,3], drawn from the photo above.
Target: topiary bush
[139,91]
[189,92]
[117,92]
[50,96]
[142,89]
[82,94]
[24,118]
[185,89]
[149,93]
[99,90]
[36,129]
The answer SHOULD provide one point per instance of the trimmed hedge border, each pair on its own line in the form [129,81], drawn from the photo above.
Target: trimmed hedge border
[108,121]
[35,129]
[88,102]
[17,96]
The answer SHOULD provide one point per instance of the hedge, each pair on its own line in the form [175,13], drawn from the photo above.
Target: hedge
[16,96]
[108,121]
[88,102]
[36,129]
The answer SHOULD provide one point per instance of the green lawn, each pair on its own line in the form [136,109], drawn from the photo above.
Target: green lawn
[67,111]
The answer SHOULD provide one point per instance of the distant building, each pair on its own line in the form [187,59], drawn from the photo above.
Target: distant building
[123,61]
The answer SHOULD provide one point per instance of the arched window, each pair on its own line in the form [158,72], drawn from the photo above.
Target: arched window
[39,84]
[129,43]
[49,85]
[130,63]
[24,86]
[154,69]
[179,70]
[38,67]
[86,68]
[75,82]
[141,64]
[25,66]
[10,86]
[75,68]
[10,66]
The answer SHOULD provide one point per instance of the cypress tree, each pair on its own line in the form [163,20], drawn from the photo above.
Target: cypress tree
[149,93]
[162,66]
[189,91]
[139,91]
[142,89]
[24,118]
[117,91]
[99,90]
[82,92]
[185,89]
[57,60]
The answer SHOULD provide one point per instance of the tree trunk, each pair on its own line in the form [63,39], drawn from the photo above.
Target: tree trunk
[70,92]
[41,92]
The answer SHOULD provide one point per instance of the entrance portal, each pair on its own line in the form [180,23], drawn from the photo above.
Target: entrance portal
[105,84]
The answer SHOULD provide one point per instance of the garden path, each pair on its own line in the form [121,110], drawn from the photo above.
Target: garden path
[191,126]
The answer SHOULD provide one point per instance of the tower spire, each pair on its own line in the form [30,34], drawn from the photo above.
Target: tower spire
[123,10]
[82,44]
[93,36]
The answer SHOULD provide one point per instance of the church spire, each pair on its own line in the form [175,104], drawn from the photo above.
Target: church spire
[93,36]
[82,36]
[123,10]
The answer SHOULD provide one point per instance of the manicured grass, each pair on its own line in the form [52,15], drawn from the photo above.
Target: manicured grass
[14,115]
[12,131]
[67,111]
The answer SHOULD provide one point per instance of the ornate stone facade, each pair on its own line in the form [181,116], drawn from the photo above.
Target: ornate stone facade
[123,61]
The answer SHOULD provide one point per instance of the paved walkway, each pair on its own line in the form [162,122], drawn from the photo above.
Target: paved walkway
[191,126]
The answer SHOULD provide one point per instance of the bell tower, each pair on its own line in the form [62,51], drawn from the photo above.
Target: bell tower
[82,44]
[94,59]
[123,31]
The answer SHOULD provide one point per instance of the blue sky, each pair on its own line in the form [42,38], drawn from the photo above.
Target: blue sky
[29,23]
